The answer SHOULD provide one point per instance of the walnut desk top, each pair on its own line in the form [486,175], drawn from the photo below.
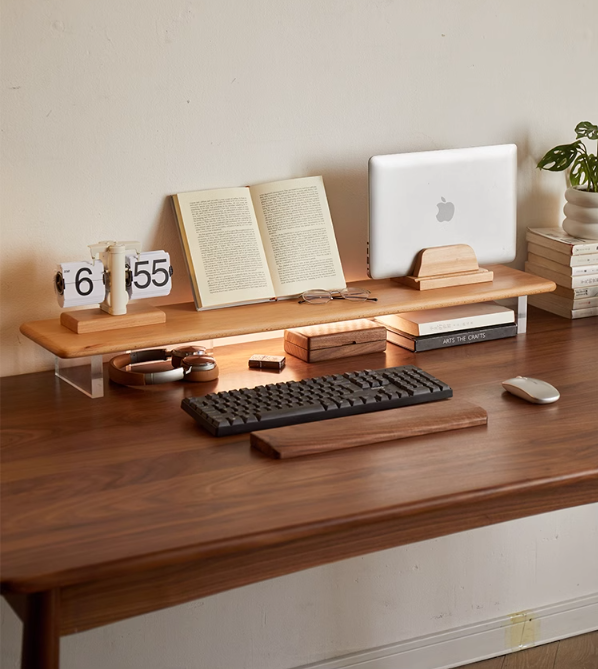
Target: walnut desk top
[123,505]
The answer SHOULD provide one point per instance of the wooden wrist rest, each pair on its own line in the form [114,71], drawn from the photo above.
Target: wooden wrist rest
[292,441]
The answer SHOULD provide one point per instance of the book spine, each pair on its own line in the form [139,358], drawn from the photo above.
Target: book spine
[562,311]
[564,259]
[419,344]
[568,303]
[584,313]
[479,321]
[566,247]
[564,302]
[401,340]
[582,249]
[563,269]
[584,304]
[576,293]
[562,279]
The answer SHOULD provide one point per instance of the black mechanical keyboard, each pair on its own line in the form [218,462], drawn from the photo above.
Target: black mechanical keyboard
[278,404]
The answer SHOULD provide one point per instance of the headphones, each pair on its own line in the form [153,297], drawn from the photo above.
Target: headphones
[190,363]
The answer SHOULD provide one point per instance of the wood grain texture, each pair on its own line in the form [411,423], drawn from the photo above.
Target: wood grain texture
[293,441]
[540,657]
[445,266]
[332,352]
[577,652]
[439,260]
[106,598]
[446,280]
[185,324]
[493,663]
[96,320]
[128,489]
[580,652]
[335,340]
[331,335]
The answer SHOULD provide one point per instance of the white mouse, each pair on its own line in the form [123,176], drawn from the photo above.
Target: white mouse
[532,390]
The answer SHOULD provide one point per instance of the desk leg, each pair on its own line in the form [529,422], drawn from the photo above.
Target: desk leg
[41,638]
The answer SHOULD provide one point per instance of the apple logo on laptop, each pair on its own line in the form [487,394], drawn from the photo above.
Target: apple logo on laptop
[446,210]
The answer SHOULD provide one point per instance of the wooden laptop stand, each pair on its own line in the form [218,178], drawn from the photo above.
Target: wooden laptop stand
[444,266]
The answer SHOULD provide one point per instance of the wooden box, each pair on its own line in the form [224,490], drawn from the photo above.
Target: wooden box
[335,340]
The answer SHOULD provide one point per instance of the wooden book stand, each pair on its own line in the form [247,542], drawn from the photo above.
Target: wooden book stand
[443,266]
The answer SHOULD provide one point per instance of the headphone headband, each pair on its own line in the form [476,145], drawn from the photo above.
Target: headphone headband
[118,372]
[182,366]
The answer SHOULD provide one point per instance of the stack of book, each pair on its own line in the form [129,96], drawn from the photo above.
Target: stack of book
[449,326]
[572,264]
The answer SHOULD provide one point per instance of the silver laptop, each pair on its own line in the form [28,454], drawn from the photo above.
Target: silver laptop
[437,198]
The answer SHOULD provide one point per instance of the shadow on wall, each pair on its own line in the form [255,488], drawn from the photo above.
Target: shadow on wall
[347,190]
[26,284]
[347,193]
[166,237]
[538,208]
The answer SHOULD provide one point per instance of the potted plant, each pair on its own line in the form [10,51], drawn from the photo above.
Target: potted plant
[581,208]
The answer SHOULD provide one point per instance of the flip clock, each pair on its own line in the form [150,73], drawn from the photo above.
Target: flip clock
[117,272]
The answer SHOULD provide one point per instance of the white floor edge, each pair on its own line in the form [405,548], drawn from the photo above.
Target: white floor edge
[479,641]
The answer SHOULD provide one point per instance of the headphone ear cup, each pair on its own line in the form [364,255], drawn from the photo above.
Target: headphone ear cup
[200,368]
[179,354]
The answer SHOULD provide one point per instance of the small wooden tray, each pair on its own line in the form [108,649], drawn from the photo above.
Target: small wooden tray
[292,441]
[335,340]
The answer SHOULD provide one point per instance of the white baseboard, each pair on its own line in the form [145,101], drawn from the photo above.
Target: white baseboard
[480,641]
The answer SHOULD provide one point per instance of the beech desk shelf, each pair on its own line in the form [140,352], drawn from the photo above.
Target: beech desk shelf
[184,324]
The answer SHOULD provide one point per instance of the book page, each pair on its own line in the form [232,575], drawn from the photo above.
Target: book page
[223,248]
[298,235]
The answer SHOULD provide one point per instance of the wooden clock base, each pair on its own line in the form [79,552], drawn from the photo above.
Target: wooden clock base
[96,320]
[444,266]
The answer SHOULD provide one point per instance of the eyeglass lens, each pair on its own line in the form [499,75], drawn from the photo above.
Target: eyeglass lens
[319,296]
[352,293]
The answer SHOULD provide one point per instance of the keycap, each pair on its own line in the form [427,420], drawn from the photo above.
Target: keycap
[319,398]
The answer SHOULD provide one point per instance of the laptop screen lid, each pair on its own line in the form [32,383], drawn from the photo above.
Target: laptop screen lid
[438,198]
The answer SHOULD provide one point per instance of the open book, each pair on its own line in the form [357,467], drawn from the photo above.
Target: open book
[253,244]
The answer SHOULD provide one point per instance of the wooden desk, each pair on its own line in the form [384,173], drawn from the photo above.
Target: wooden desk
[122,505]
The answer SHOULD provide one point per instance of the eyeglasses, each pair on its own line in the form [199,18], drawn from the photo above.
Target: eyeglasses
[319,296]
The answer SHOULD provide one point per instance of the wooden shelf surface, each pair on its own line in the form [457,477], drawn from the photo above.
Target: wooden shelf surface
[185,324]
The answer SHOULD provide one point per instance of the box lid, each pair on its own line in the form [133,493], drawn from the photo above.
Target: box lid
[329,335]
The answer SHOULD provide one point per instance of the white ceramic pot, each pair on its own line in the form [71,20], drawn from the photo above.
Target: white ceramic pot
[581,214]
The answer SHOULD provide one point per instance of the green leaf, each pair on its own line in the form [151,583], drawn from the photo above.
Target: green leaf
[594,170]
[584,172]
[579,172]
[559,158]
[586,129]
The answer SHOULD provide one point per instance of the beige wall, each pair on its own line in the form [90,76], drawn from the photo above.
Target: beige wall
[108,107]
